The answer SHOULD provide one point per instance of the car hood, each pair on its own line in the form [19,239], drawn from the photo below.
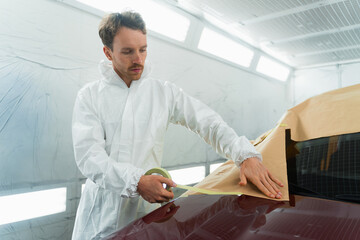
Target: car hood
[247,217]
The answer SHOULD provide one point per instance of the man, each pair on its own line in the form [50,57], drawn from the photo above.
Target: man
[119,125]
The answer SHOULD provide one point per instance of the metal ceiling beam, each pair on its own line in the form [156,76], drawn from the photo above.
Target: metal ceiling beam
[289,12]
[344,62]
[311,35]
[326,51]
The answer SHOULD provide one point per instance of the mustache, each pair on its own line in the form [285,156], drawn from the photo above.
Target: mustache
[137,66]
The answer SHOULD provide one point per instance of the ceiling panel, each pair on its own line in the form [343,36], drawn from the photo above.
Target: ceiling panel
[321,43]
[305,32]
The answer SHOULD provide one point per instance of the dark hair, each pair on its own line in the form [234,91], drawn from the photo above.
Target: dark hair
[112,22]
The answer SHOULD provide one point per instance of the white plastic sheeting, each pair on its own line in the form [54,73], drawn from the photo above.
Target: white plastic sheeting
[48,50]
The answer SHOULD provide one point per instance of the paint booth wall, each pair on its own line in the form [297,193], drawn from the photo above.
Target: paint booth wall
[48,51]
[248,103]
[310,82]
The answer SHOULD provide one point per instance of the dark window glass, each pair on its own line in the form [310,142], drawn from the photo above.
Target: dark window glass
[326,167]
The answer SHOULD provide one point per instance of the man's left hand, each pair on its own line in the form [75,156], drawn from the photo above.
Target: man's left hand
[252,169]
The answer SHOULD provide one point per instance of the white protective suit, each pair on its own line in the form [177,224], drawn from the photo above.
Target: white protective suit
[118,134]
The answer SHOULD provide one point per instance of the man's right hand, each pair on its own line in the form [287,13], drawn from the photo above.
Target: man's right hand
[150,187]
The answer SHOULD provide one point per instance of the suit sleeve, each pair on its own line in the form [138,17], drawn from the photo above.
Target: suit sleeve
[202,120]
[91,157]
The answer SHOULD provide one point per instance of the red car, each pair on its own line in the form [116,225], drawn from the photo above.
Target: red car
[324,187]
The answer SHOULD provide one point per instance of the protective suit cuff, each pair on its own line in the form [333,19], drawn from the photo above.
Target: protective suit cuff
[133,186]
[243,158]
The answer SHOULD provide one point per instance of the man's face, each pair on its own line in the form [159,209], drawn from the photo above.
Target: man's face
[128,54]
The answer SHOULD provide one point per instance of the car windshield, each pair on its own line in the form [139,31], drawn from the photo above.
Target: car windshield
[326,167]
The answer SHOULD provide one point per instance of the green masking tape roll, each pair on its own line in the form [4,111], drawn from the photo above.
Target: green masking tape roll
[166,174]
[162,172]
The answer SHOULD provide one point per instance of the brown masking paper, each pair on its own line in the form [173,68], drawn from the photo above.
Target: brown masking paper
[329,114]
